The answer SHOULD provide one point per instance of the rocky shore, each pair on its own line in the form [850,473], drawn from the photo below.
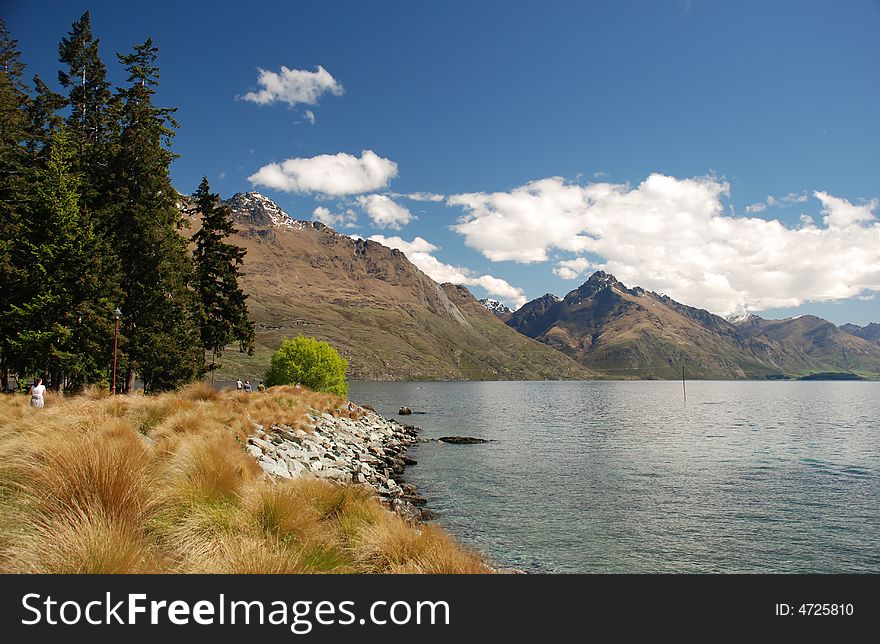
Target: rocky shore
[368,451]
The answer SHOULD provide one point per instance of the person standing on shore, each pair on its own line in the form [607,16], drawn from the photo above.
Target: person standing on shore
[38,391]
[239,384]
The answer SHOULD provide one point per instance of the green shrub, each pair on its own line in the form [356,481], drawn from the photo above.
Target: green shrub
[308,362]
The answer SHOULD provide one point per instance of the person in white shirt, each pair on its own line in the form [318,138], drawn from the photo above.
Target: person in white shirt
[37,391]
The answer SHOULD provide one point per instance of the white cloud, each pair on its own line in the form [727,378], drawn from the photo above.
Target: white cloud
[293,86]
[309,116]
[787,200]
[417,245]
[673,236]
[425,196]
[420,252]
[347,219]
[840,214]
[384,212]
[571,269]
[334,175]
[777,202]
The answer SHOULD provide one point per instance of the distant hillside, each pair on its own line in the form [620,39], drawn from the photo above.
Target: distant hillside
[390,320]
[622,331]
[813,345]
[871,333]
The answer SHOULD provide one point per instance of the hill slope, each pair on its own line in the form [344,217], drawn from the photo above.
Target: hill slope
[386,317]
[871,332]
[816,344]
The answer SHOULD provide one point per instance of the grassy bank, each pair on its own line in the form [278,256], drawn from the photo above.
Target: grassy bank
[133,484]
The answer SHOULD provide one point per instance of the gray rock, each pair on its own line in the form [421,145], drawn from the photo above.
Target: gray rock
[336,475]
[263,445]
[276,469]
[369,452]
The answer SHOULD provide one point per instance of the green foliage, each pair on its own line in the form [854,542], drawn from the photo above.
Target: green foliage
[89,221]
[309,362]
[61,325]
[161,312]
[224,314]
[14,134]
[92,119]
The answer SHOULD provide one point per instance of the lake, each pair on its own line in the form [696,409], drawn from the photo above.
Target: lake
[627,477]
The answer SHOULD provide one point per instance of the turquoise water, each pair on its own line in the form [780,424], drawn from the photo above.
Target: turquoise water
[627,477]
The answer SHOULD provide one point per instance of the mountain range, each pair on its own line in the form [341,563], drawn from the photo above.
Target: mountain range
[393,322]
[384,315]
[620,331]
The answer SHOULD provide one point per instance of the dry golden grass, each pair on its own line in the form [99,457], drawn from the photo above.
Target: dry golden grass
[134,484]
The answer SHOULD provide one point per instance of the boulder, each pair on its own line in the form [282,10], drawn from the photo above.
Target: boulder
[263,445]
[276,469]
[404,411]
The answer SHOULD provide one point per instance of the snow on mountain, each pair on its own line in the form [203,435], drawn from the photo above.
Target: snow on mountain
[259,210]
[742,318]
[495,306]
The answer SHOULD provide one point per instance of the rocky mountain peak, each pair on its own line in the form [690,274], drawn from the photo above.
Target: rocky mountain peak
[602,278]
[258,210]
[498,308]
[742,318]
[598,282]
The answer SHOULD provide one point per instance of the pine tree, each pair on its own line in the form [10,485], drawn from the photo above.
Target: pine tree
[62,328]
[160,311]
[14,135]
[224,314]
[43,120]
[91,119]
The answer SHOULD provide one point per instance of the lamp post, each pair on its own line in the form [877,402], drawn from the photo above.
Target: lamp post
[116,315]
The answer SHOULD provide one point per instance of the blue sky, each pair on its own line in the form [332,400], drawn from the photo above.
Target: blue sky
[677,143]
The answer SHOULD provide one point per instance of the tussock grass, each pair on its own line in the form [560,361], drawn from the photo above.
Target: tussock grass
[134,484]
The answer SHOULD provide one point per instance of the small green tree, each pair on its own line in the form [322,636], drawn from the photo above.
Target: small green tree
[309,362]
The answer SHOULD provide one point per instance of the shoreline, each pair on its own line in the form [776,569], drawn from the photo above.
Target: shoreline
[369,450]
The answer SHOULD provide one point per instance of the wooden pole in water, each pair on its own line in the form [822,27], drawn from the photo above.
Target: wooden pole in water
[683,388]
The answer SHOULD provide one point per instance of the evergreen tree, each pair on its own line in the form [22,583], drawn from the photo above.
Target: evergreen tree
[224,314]
[62,328]
[14,135]
[91,120]
[43,120]
[160,312]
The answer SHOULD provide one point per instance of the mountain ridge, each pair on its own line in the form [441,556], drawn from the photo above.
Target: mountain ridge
[384,315]
[631,332]
[392,322]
